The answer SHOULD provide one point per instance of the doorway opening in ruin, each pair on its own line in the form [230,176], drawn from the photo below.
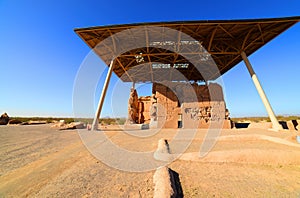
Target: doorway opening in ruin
[180,121]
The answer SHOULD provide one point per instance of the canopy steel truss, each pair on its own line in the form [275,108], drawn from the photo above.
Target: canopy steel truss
[224,40]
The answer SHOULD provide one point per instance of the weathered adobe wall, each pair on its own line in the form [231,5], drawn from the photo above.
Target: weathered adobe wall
[199,105]
[133,108]
[144,109]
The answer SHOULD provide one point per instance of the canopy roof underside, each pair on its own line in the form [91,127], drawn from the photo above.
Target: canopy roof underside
[180,51]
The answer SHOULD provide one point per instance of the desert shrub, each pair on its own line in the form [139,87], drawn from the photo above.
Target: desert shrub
[267,119]
[107,121]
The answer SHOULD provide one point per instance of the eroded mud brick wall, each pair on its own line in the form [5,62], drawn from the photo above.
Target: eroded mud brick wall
[196,105]
[144,109]
[133,108]
[168,106]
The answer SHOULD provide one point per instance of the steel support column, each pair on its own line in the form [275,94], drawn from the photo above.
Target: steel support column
[102,97]
[275,124]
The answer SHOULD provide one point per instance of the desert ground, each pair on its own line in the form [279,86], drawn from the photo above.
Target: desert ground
[40,161]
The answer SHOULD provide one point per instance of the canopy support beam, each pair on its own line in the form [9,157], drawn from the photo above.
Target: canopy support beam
[275,124]
[103,94]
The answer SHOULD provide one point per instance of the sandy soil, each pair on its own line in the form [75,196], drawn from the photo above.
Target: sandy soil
[38,161]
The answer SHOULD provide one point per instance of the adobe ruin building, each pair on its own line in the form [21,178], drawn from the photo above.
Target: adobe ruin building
[179,105]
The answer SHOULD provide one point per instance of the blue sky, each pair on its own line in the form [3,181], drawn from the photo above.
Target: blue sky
[40,54]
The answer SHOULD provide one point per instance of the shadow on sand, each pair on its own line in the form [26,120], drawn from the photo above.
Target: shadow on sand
[176,185]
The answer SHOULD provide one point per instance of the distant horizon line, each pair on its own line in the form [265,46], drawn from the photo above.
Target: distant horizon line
[120,117]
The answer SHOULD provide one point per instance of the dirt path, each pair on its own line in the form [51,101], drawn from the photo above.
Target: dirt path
[29,179]
[37,161]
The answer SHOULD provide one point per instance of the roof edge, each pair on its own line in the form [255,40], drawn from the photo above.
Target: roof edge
[224,21]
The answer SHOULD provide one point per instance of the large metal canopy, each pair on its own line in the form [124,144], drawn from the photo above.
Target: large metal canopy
[148,52]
